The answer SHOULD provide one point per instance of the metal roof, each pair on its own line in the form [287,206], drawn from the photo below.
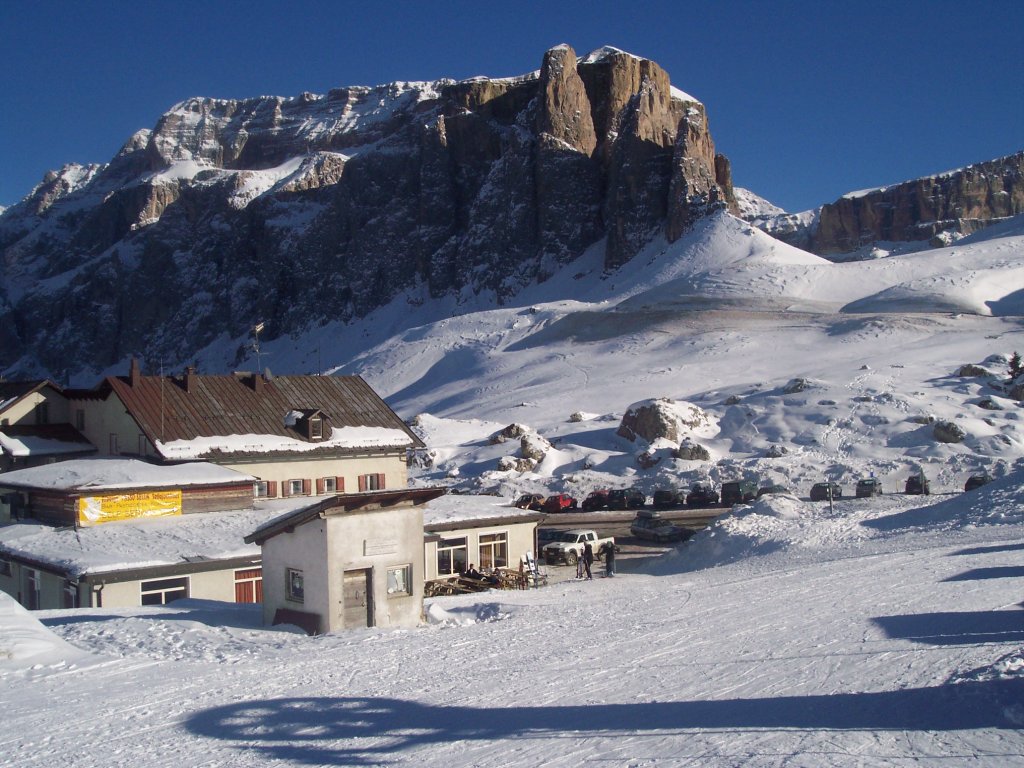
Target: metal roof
[170,408]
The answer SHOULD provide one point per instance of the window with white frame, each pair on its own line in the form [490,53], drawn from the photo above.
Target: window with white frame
[294,585]
[330,484]
[316,428]
[163,591]
[374,482]
[294,487]
[452,556]
[494,550]
[400,581]
[260,489]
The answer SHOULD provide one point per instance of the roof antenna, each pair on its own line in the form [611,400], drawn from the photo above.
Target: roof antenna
[256,330]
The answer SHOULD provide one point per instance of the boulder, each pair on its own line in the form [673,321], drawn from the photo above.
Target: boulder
[690,451]
[533,446]
[661,419]
[948,432]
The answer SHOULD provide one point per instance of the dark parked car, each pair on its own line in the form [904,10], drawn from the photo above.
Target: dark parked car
[668,498]
[822,491]
[626,498]
[918,484]
[532,501]
[869,486]
[976,481]
[595,500]
[738,491]
[559,502]
[702,495]
[653,527]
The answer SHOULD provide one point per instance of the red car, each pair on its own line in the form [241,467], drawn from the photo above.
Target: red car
[559,502]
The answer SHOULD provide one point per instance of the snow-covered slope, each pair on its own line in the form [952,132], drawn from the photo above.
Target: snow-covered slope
[885,633]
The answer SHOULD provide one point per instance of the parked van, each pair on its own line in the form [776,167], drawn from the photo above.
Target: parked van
[738,491]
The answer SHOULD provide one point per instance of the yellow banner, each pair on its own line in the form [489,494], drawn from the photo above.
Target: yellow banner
[93,510]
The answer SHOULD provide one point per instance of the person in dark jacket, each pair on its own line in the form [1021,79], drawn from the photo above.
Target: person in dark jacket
[588,558]
[608,553]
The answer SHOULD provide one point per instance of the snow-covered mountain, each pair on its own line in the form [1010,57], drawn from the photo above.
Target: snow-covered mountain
[298,211]
[803,368]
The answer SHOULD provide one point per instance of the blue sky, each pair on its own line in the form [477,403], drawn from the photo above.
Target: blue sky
[808,99]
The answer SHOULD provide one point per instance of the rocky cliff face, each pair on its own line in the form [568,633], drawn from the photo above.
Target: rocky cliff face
[299,210]
[936,208]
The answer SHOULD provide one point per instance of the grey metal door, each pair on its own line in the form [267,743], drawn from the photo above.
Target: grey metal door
[357,607]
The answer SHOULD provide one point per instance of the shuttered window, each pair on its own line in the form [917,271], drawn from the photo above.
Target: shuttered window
[249,585]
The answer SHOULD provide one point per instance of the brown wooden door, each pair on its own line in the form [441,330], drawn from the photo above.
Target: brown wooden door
[357,602]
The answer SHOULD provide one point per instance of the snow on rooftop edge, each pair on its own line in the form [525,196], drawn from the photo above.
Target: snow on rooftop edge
[115,473]
[341,437]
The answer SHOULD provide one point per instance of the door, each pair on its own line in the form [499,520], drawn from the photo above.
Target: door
[357,603]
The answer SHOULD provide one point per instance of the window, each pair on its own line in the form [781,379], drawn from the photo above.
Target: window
[400,581]
[79,419]
[70,595]
[451,556]
[316,428]
[249,585]
[143,445]
[373,482]
[261,489]
[32,589]
[113,444]
[330,484]
[294,589]
[5,568]
[294,488]
[42,411]
[494,550]
[163,591]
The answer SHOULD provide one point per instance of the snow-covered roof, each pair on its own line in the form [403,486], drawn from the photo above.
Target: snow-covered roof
[194,416]
[43,440]
[118,474]
[142,543]
[453,508]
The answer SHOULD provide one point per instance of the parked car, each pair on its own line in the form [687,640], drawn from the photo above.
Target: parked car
[917,484]
[869,486]
[824,491]
[769,489]
[976,481]
[626,498]
[559,502]
[668,498]
[569,545]
[532,501]
[702,495]
[738,491]
[650,525]
[595,500]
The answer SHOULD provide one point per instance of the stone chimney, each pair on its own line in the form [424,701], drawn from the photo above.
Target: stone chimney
[134,373]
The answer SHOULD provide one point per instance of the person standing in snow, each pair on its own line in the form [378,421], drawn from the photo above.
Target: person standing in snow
[608,553]
[588,558]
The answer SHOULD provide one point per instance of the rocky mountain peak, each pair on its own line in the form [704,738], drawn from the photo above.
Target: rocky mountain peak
[300,210]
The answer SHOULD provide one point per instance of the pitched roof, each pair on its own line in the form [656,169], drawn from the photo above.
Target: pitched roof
[13,391]
[191,416]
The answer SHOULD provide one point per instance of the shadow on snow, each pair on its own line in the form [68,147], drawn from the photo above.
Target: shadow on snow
[361,731]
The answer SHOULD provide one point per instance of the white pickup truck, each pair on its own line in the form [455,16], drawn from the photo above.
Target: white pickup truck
[568,546]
